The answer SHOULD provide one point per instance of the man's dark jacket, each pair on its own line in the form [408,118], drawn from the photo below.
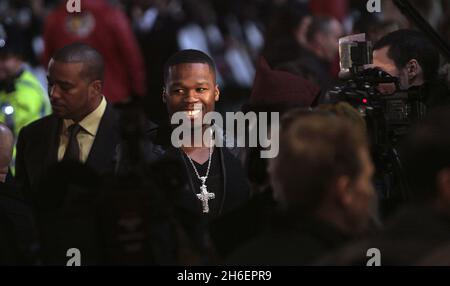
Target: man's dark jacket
[235,186]
[37,149]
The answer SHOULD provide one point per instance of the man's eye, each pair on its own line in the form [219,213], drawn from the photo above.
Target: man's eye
[178,91]
[201,89]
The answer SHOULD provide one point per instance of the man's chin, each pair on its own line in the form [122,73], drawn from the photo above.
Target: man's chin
[58,113]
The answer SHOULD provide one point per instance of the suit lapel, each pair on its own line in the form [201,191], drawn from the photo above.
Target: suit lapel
[43,152]
[102,155]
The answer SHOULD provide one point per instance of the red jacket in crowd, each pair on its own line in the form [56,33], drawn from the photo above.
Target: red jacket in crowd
[336,8]
[107,29]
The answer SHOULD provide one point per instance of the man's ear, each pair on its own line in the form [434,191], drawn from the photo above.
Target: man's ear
[413,69]
[302,30]
[443,184]
[216,93]
[342,190]
[97,85]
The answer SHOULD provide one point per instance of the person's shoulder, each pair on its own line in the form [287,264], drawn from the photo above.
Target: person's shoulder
[151,129]
[29,78]
[157,134]
[41,124]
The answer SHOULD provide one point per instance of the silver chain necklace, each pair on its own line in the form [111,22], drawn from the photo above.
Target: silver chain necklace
[204,196]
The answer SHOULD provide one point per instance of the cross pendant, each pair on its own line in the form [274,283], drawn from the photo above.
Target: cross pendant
[204,197]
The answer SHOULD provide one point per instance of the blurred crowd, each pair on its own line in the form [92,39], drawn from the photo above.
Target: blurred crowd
[267,55]
[136,37]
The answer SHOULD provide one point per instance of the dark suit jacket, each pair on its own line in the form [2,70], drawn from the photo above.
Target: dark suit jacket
[291,240]
[37,149]
[410,235]
[17,231]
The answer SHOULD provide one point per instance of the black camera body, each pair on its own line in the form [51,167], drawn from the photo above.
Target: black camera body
[388,117]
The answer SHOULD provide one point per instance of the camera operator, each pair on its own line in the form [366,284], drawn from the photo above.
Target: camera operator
[409,56]
[402,86]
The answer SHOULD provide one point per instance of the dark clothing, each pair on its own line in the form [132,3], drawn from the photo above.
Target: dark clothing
[232,179]
[393,190]
[37,149]
[17,231]
[290,243]
[316,68]
[436,93]
[9,248]
[227,181]
[9,178]
[411,235]
[291,51]
[242,224]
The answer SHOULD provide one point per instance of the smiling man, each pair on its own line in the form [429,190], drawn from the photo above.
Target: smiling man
[216,184]
[215,179]
[82,127]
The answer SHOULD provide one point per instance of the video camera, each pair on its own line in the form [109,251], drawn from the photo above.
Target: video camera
[388,116]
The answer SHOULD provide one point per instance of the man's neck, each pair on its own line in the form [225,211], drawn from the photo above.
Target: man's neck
[417,82]
[199,154]
[95,105]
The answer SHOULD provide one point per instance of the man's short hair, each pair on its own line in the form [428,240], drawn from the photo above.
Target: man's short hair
[405,45]
[188,57]
[426,153]
[316,148]
[93,63]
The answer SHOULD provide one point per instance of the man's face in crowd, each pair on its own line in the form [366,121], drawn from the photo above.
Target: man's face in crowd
[9,65]
[71,95]
[361,191]
[330,41]
[382,61]
[191,88]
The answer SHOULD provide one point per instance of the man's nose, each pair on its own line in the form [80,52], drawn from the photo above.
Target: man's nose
[191,97]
